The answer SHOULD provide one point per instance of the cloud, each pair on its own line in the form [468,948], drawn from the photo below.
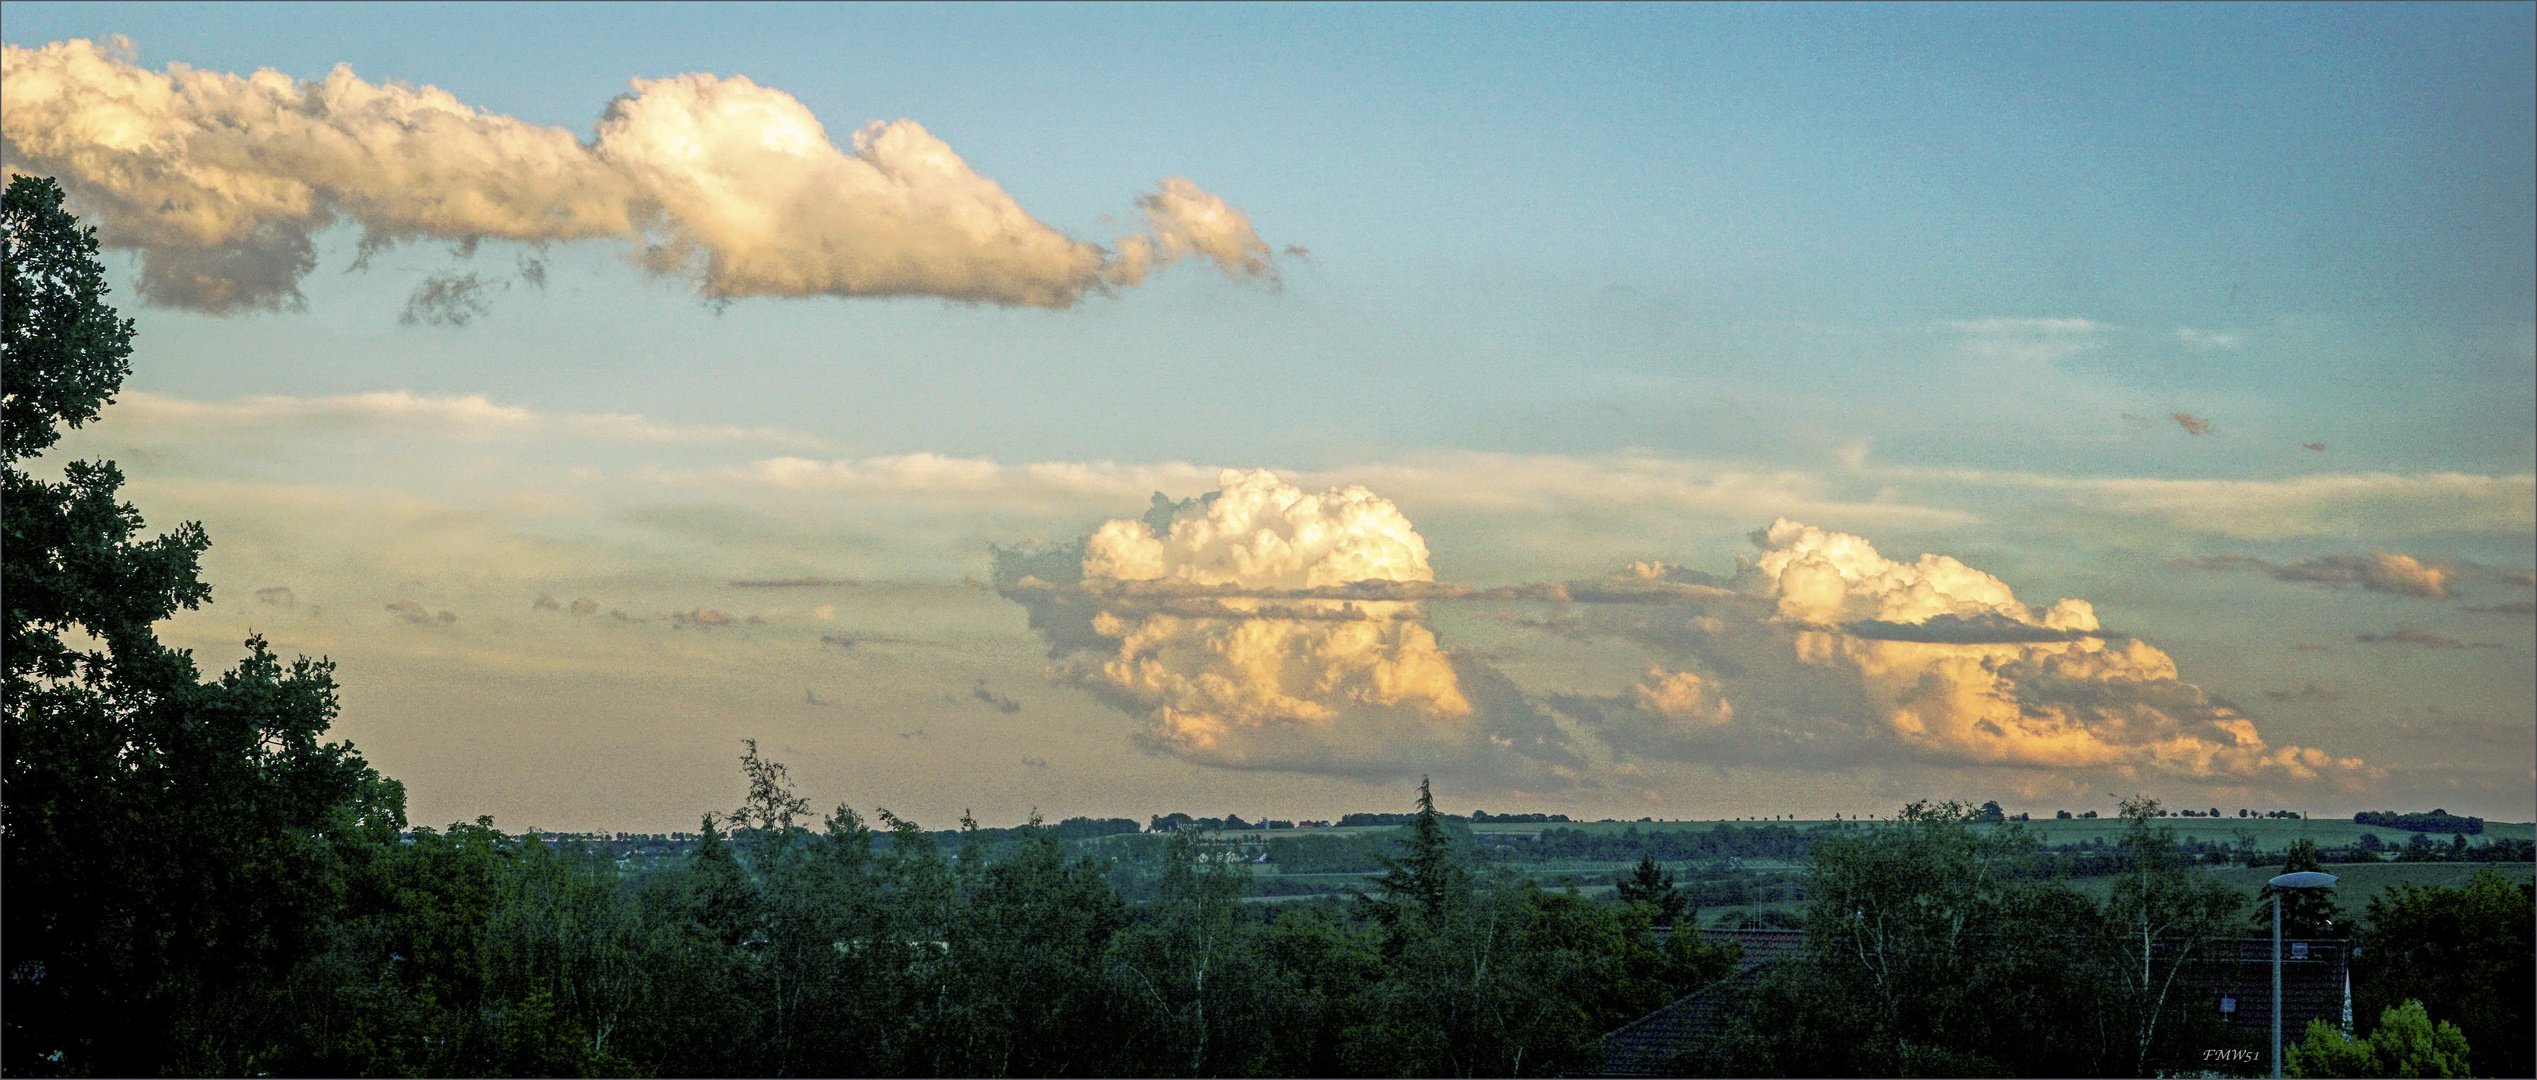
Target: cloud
[144,417]
[583,606]
[2310,693]
[1530,485]
[1312,684]
[1186,221]
[2198,339]
[278,596]
[2423,638]
[2315,504]
[790,583]
[2511,607]
[1001,703]
[2317,446]
[1683,697]
[702,616]
[415,614]
[2377,571]
[1983,629]
[1860,659]
[2193,425]
[545,602]
[221,181]
[447,299]
[2027,340]
[1242,628]
[1257,532]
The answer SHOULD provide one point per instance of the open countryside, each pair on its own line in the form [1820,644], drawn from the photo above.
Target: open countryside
[1579,540]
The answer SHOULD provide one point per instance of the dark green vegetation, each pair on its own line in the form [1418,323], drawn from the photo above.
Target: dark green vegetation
[2437,821]
[1933,947]
[2406,1043]
[197,884]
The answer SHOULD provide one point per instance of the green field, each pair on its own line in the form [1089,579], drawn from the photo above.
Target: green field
[2270,834]
[2360,881]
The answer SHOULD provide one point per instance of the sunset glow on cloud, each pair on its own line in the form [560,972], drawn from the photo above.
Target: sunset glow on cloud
[221,182]
[1646,413]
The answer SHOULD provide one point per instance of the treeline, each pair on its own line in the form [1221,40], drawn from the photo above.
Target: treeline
[2437,821]
[1939,949]
[777,949]
[1670,845]
[1476,817]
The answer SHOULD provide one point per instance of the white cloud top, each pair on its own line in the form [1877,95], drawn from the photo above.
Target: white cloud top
[1259,532]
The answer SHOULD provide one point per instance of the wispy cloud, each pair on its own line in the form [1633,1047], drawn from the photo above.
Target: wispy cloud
[2422,638]
[2027,340]
[143,416]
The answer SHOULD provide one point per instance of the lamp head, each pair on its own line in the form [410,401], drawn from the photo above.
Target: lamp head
[2305,879]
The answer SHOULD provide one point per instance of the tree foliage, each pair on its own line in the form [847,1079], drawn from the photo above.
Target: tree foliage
[173,848]
[2405,1043]
[2465,953]
[1933,948]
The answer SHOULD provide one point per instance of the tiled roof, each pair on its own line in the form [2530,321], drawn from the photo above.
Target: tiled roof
[1649,1045]
[2233,968]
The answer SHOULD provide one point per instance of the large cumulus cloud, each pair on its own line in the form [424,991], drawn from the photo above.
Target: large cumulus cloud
[221,182]
[1261,626]
[1934,661]
[1227,624]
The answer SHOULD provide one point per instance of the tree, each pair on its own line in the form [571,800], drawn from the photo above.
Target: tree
[2306,913]
[2164,913]
[1190,971]
[173,848]
[2405,1043]
[1653,886]
[1428,878]
[2465,953]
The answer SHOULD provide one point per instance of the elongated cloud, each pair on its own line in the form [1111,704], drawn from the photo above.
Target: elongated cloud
[2389,572]
[1189,619]
[221,182]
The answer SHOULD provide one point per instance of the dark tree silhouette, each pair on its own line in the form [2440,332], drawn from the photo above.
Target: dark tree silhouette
[171,846]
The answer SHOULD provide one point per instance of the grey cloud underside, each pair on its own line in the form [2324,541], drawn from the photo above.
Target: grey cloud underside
[449,299]
[1771,739]
[2421,638]
[1985,629]
[2385,572]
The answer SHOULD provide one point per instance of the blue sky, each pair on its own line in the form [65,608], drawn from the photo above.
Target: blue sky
[1584,286]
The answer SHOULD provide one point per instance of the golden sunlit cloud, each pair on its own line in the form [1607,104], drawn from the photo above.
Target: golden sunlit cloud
[222,181]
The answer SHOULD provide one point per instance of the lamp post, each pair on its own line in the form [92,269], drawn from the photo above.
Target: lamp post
[2305,879]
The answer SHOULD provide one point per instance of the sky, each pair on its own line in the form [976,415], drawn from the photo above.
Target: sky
[1681,411]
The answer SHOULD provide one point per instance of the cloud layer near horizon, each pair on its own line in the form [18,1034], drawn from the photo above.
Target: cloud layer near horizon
[1218,621]
[222,181]
[1297,629]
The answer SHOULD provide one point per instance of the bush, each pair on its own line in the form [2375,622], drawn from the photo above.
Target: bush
[2405,1044]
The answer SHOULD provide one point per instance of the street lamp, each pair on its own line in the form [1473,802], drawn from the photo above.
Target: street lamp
[2305,879]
